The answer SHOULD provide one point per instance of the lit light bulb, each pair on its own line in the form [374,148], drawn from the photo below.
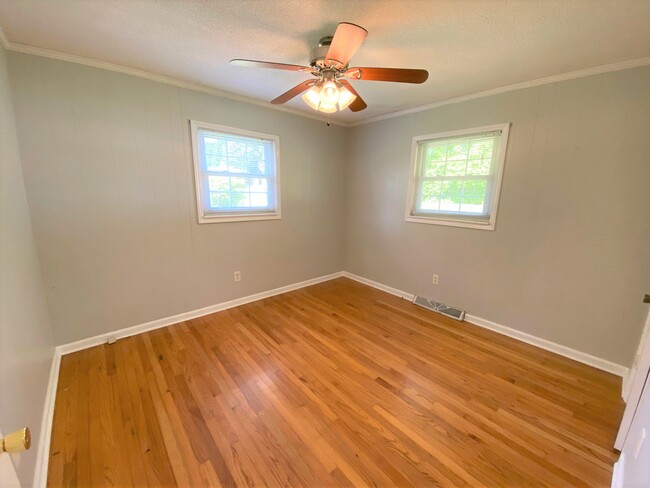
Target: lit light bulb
[345,98]
[329,94]
[312,97]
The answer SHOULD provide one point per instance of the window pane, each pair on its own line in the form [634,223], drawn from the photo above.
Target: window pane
[479,167]
[436,153]
[219,200]
[474,193]
[451,195]
[434,168]
[214,162]
[259,185]
[214,146]
[219,183]
[256,167]
[255,151]
[240,200]
[246,166]
[238,165]
[455,168]
[457,151]
[430,195]
[259,200]
[239,184]
[481,149]
[236,149]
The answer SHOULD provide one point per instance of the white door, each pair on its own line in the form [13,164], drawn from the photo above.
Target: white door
[8,476]
[633,467]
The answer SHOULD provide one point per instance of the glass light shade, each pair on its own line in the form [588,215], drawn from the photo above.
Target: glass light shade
[328,108]
[345,98]
[312,97]
[329,94]
[325,97]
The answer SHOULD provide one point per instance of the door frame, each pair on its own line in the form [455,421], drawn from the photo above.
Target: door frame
[636,380]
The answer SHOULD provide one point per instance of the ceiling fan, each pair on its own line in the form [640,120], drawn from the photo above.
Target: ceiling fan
[330,90]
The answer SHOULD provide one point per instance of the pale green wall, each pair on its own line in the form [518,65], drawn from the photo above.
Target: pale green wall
[569,260]
[26,342]
[109,175]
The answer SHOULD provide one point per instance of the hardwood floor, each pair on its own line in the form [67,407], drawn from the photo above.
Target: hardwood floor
[337,384]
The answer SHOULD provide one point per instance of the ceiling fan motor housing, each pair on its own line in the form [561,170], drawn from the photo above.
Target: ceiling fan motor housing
[318,54]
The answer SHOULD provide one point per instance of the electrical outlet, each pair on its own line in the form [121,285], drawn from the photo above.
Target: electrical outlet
[237,275]
[436,279]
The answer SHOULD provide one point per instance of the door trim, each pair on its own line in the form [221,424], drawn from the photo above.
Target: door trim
[634,385]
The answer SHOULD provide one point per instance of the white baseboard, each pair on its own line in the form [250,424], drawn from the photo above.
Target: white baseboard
[380,286]
[565,351]
[181,317]
[625,385]
[44,439]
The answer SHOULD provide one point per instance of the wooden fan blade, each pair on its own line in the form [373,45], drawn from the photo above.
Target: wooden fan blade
[294,92]
[251,63]
[347,39]
[358,105]
[388,74]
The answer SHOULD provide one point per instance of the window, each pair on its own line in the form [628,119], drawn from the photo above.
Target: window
[237,173]
[456,176]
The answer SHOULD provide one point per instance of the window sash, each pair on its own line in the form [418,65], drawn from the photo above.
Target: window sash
[232,210]
[270,192]
[269,175]
[419,211]
[420,175]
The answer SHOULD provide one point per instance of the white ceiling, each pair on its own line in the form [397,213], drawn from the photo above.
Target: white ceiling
[467,46]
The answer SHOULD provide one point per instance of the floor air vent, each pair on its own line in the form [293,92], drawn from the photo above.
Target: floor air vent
[454,313]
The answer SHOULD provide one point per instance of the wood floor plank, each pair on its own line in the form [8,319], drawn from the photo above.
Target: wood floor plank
[337,384]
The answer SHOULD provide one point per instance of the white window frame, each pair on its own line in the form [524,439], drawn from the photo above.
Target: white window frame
[459,220]
[199,176]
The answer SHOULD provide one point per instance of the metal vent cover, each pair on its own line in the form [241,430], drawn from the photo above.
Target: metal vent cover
[441,308]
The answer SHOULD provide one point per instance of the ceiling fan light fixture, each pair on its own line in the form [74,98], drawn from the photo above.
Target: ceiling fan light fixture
[325,97]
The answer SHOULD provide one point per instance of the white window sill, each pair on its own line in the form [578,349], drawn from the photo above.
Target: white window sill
[452,222]
[216,219]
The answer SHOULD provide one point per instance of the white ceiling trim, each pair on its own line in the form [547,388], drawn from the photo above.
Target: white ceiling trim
[48,53]
[623,65]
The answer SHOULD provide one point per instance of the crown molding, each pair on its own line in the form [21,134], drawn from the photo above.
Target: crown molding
[623,65]
[168,80]
[71,58]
